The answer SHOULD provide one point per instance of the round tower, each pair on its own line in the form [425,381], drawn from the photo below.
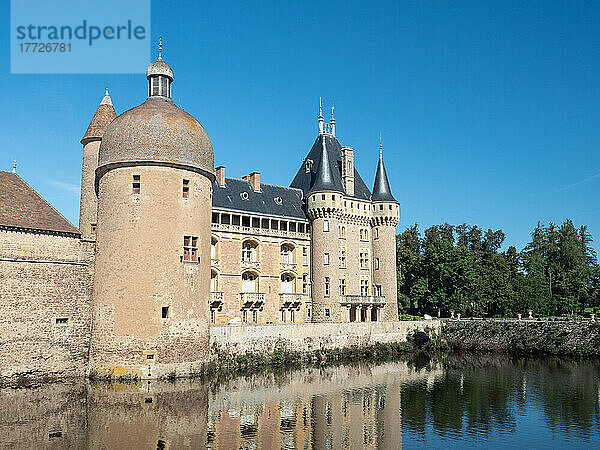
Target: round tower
[88,205]
[152,273]
[386,215]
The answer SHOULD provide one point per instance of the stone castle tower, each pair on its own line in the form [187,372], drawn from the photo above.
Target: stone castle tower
[386,216]
[353,251]
[152,272]
[88,205]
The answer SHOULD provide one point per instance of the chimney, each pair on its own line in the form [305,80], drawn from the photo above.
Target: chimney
[220,172]
[348,169]
[255,180]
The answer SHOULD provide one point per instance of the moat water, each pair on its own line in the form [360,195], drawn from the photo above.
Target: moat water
[456,402]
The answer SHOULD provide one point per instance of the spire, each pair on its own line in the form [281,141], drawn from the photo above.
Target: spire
[324,179]
[103,116]
[320,118]
[332,123]
[381,188]
[15,166]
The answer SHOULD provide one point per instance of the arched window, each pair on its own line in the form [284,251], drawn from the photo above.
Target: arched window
[249,282]
[287,283]
[249,251]
[213,248]
[287,254]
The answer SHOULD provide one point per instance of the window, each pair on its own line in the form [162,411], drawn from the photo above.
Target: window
[325,225]
[364,259]
[305,284]
[287,283]
[326,294]
[245,316]
[364,234]
[249,251]
[378,290]
[61,320]
[327,314]
[380,207]
[323,197]
[364,287]
[376,263]
[308,312]
[186,188]
[136,186]
[304,256]
[165,312]
[342,286]
[342,258]
[212,316]
[292,315]
[361,234]
[342,232]
[190,248]
[213,248]
[287,254]
[283,315]
[326,259]
[249,282]
[254,315]
[376,233]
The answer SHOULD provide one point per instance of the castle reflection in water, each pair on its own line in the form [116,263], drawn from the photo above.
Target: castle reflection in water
[359,406]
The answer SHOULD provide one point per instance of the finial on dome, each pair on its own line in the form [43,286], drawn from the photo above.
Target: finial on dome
[15,166]
[380,147]
[106,93]
[160,48]
[106,100]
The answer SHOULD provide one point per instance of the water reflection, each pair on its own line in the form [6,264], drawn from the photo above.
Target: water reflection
[459,400]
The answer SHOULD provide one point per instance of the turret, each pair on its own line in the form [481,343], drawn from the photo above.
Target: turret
[386,215]
[88,205]
[152,269]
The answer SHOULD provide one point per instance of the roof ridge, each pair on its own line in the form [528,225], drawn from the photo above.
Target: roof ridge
[268,184]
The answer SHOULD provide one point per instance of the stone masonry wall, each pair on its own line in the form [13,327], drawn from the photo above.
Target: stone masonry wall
[43,278]
[307,337]
[524,336]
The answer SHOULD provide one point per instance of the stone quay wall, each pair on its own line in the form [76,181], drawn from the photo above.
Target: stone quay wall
[307,337]
[568,338]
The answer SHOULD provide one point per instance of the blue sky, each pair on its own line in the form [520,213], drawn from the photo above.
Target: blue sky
[489,110]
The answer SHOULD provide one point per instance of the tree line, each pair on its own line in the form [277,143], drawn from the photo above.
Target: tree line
[463,268]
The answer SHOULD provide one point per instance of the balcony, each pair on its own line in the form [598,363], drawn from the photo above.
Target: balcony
[290,300]
[363,300]
[250,264]
[288,266]
[216,299]
[252,299]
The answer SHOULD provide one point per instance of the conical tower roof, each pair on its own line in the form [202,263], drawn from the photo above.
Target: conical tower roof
[381,188]
[104,115]
[324,177]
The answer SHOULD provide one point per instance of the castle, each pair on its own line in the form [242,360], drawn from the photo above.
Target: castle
[167,246]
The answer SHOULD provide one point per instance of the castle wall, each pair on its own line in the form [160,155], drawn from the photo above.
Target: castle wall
[45,279]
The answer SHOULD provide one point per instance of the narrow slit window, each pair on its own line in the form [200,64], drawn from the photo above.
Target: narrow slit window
[136,186]
[186,188]
[165,312]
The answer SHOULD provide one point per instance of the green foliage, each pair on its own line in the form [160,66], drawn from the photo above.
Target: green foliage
[462,268]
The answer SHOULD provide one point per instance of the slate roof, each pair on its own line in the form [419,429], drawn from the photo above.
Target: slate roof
[381,188]
[263,202]
[306,181]
[104,115]
[22,207]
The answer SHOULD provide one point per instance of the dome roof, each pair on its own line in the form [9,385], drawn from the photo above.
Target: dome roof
[159,67]
[157,131]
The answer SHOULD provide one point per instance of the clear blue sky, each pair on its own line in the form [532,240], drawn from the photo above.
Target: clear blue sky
[489,110]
